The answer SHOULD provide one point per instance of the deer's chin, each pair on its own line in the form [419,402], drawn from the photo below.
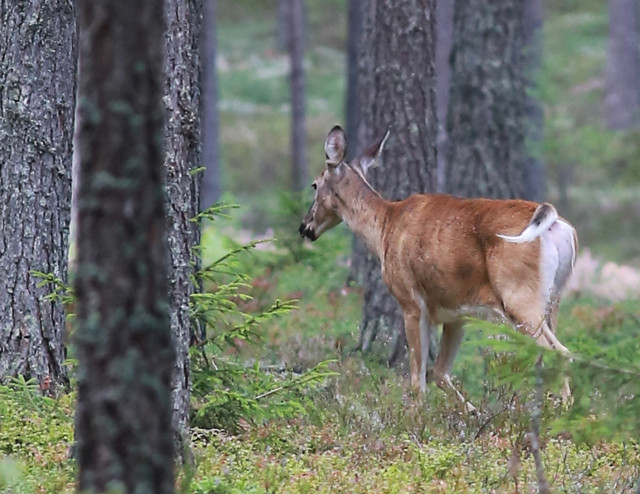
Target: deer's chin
[307,232]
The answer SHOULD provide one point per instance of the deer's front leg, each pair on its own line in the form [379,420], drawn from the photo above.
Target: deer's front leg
[416,351]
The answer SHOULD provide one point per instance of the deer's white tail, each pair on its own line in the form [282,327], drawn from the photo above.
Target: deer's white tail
[543,218]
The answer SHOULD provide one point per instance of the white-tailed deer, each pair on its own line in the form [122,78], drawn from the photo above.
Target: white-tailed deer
[444,258]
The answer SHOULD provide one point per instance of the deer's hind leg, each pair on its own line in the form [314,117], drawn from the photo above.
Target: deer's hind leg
[535,323]
[452,335]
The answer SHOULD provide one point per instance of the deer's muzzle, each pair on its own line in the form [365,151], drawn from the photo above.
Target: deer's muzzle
[307,231]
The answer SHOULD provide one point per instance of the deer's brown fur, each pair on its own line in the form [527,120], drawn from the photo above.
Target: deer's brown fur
[444,257]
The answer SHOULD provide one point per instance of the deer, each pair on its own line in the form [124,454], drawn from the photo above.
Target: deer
[445,258]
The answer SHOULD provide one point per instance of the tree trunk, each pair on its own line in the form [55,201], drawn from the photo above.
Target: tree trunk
[487,107]
[283,22]
[534,178]
[444,17]
[354,35]
[397,89]
[182,137]
[125,350]
[212,181]
[299,168]
[37,99]
[622,91]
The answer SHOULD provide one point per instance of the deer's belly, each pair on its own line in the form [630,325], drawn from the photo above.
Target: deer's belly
[486,312]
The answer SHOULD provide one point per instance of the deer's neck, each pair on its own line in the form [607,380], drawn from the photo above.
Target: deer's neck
[364,212]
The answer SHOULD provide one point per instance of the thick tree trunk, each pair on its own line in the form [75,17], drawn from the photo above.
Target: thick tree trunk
[397,90]
[125,349]
[354,35]
[37,98]
[444,39]
[487,106]
[622,91]
[212,180]
[182,155]
[299,166]
[534,179]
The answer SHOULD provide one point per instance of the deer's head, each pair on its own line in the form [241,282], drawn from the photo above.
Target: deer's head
[333,187]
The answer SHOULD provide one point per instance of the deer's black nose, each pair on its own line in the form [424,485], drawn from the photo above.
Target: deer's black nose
[306,231]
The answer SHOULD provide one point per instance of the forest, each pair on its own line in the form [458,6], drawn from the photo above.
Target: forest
[166,327]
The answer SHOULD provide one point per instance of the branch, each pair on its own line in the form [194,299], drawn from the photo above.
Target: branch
[534,435]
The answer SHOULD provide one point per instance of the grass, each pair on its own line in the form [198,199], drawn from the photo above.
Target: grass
[364,433]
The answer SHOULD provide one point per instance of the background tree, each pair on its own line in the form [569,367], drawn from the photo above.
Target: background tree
[37,98]
[487,106]
[125,353]
[397,89]
[300,166]
[534,176]
[283,19]
[622,72]
[444,38]
[212,181]
[354,35]
[182,156]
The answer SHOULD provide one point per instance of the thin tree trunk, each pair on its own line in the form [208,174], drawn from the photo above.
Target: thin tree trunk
[125,349]
[212,180]
[534,178]
[182,155]
[487,106]
[283,21]
[354,36]
[299,168]
[444,39]
[37,99]
[622,91]
[397,90]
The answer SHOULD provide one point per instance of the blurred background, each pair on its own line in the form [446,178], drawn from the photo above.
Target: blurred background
[590,146]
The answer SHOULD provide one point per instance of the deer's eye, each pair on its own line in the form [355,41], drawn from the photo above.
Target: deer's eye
[314,186]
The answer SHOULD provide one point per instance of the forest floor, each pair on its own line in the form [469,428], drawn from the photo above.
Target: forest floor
[359,430]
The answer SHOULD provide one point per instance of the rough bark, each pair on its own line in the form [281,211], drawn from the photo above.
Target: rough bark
[354,35]
[211,181]
[299,165]
[37,98]
[125,350]
[622,72]
[397,90]
[182,155]
[534,178]
[486,123]
[444,39]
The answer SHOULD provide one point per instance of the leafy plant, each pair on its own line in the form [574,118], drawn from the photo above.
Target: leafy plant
[226,391]
[603,373]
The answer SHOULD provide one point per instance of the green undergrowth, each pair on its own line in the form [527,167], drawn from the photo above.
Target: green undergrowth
[36,437]
[360,429]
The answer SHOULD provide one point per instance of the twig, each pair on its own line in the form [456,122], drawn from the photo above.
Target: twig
[486,423]
[534,435]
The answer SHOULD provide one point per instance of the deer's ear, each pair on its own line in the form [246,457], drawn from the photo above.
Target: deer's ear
[371,155]
[335,147]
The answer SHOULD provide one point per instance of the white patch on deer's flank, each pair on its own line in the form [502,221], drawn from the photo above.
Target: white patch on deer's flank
[562,235]
[549,263]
